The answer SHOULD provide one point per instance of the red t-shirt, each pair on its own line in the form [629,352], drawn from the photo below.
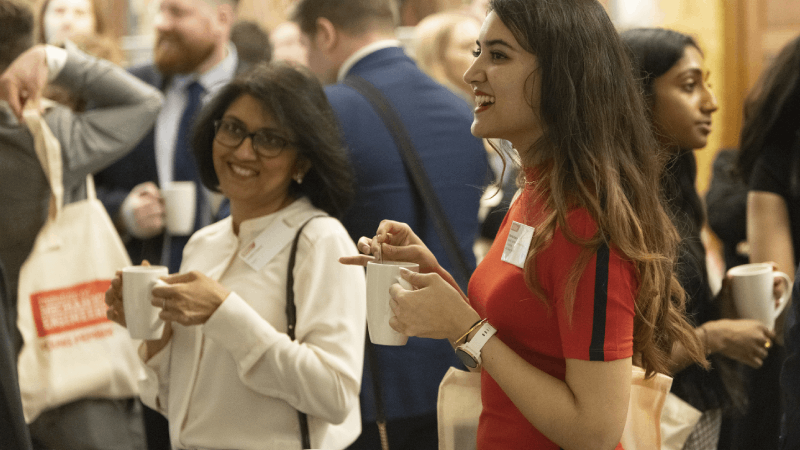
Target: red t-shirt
[602,318]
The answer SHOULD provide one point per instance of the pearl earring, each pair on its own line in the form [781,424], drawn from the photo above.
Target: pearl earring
[298,178]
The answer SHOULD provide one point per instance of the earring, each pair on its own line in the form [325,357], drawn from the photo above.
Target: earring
[298,177]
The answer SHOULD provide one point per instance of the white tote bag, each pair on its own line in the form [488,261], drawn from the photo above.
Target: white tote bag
[71,350]
[677,422]
[643,423]
[458,409]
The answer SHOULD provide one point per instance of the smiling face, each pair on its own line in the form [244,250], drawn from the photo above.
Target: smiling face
[64,19]
[504,78]
[255,185]
[683,103]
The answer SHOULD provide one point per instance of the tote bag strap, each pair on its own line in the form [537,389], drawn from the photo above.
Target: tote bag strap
[91,193]
[48,150]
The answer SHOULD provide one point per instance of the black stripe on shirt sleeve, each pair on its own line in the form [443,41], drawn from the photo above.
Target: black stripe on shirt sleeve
[596,352]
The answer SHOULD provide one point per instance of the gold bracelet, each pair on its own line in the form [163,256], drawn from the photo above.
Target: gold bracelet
[473,327]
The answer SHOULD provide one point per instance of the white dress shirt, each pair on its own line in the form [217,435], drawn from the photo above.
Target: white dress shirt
[237,381]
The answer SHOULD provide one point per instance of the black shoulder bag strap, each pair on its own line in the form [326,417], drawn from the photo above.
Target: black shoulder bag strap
[416,170]
[291,321]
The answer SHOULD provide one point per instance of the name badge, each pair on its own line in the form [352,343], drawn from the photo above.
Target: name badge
[267,244]
[517,244]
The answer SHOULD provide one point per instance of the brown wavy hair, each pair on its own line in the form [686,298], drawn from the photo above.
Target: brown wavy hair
[598,152]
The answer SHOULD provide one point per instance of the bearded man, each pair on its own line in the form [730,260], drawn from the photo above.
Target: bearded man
[192,59]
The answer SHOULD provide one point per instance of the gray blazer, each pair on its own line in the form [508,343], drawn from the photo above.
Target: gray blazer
[124,109]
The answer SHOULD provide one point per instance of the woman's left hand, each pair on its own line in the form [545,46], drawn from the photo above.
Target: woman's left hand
[433,309]
[190,299]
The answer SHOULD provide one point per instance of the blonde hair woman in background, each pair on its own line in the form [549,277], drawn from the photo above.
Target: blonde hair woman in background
[443,44]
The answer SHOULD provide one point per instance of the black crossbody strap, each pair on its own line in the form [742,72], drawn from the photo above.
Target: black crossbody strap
[416,170]
[377,392]
[291,321]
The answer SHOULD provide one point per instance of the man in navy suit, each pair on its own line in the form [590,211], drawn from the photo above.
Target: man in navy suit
[356,37]
[192,59]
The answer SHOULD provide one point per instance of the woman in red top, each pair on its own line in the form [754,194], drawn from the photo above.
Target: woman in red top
[580,280]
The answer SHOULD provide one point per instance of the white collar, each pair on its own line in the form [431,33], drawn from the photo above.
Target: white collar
[361,53]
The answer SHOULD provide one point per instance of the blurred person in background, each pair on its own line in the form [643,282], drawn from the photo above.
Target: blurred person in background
[125,109]
[349,38]
[60,20]
[769,160]
[14,433]
[252,44]
[443,44]
[193,58]
[287,44]
[675,81]
[16,35]
[790,377]
[227,371]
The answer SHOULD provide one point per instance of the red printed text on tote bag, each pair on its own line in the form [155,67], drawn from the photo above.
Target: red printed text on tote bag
[70,308]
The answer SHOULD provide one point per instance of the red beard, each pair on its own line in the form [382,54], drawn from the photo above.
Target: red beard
[174,55]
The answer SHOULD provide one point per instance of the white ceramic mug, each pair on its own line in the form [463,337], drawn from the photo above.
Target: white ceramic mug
[141,316]
[380,277]
[179,204]
[752,290]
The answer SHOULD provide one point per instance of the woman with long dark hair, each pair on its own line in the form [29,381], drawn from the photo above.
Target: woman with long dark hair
[681,105]
[769,161]
[579,284]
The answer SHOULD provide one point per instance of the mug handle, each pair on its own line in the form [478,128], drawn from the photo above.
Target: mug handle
[786,294]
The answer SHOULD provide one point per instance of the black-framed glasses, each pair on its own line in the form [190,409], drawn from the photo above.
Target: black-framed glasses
[231,133]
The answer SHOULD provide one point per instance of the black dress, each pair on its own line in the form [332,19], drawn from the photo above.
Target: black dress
[704,389]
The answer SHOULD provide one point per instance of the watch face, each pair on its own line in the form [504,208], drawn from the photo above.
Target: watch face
[466,358]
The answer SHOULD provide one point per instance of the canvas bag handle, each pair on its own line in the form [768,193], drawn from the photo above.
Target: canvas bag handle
[48,150]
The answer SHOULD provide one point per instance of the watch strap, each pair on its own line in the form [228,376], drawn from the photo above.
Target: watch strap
[477,342]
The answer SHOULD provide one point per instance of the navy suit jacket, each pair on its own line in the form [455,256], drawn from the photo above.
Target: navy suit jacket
[438,122]
[116,181]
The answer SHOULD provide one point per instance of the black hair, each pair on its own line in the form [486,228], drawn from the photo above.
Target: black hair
[771,114]
[654,51]
[16,31]
[296,100]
